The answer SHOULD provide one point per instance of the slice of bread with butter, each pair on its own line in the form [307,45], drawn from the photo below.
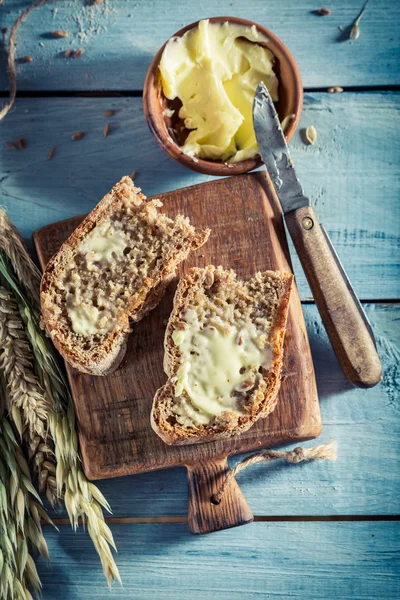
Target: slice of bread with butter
[223,354]
[112,270]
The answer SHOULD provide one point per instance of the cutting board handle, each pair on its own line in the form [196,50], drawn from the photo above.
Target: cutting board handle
[205,479]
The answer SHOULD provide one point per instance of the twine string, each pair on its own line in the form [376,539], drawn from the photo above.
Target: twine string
[326,451]
[12,75]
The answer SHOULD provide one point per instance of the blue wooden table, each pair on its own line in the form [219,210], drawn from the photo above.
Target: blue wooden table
[322,530]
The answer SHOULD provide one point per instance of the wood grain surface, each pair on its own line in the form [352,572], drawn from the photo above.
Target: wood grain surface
[303,561]
[205,480]
[344,184]
[113,412]
[120,37]
[351,176]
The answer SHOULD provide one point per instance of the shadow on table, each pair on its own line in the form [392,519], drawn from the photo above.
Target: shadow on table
[80,172]
[330,377]
[135,542]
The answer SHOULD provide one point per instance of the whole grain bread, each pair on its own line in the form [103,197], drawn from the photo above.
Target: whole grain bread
[222,302]
[90,292]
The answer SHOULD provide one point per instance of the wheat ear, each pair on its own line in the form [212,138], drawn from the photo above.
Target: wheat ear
[83,500]
[27,272]
[27,401]
[21,512]
[42,458]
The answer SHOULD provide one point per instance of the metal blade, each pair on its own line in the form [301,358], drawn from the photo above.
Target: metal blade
[275,153]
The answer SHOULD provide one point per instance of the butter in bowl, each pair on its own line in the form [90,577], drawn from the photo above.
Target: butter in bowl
[199,91]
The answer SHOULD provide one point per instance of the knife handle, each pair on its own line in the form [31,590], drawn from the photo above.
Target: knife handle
[343,321]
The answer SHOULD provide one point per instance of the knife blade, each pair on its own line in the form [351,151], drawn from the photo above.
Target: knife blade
[275,152]
[345,321]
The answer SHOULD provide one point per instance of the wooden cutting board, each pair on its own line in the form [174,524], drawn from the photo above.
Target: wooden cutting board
[113,412]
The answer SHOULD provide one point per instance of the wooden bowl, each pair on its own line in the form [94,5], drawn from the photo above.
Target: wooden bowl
[170,132]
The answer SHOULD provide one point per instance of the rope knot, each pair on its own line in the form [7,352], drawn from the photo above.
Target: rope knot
[297,455]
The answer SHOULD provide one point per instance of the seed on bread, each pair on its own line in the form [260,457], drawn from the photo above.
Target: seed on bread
[246,385]
[180,325]
[219,325]
[209,278]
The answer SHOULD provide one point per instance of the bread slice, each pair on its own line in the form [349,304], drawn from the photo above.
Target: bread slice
[112,270]
[223,354]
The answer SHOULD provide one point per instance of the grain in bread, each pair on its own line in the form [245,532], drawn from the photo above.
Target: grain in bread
[112,270]
[223,354]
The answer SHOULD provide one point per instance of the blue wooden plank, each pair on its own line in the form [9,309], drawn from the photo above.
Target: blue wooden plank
[306,561]
[120,38]
[365,480]
[350,173]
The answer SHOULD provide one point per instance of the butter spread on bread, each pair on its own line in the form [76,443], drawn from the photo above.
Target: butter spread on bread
[112,270]
[217,360]
[223,354]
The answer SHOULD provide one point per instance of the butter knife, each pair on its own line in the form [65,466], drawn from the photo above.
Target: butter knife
[342,314]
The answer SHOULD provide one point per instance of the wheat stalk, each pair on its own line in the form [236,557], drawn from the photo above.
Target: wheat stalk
[21,512]
[81,497]
[27,272]
[42,457]
[27,401]
[26,398]
[83,500]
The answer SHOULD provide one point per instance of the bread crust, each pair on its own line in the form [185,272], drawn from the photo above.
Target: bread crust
[264,398]
[106,356]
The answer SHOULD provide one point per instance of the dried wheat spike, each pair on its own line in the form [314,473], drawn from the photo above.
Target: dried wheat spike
[42,457]
[26,398]
[25,269]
